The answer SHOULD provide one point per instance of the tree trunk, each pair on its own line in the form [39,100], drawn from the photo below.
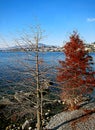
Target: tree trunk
[39,122]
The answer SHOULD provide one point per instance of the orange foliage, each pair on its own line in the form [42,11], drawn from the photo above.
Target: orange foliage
[75,74]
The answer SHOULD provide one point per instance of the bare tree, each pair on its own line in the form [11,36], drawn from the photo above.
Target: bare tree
[39,69]
[35,75]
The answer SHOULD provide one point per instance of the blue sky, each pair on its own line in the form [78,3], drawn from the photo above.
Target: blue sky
[57,17]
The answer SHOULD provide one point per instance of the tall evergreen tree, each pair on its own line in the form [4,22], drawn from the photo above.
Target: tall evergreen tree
[76,73]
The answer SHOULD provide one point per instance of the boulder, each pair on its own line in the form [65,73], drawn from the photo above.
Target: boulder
[81,119]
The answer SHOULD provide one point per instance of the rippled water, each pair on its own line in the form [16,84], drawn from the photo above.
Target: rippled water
[14,65]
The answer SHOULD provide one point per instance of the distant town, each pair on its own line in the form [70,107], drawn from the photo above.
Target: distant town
[46,48]
[90,47]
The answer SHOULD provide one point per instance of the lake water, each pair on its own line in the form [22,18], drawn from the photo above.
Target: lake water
[12,62]
[13,66]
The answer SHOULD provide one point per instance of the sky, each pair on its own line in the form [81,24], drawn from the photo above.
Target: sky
[59,18]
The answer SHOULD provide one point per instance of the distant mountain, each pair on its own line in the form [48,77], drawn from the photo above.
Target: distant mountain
[41,46]
[28,46]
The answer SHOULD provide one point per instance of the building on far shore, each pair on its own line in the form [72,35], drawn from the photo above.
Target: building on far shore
[90,47]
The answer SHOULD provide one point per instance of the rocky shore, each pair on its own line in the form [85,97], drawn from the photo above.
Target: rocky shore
[15,109]
[18,112]
[81,119]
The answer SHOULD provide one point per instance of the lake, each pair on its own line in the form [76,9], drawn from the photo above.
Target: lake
[11,62]
[15,67]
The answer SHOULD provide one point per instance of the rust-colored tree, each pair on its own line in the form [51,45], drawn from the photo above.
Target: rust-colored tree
[75,74]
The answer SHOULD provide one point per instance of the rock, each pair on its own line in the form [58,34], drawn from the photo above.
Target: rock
[25,126]
[30,128]
[81,119]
